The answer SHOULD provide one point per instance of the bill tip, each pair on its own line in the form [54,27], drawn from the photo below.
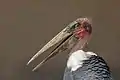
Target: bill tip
[34,69]
[27,64]
[29,61]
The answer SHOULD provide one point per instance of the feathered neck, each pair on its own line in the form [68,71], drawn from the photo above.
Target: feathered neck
[77,58]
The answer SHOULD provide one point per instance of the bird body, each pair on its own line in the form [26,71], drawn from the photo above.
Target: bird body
[83,65]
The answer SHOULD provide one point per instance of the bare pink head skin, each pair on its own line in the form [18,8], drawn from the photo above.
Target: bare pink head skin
[84,28]
[83,33]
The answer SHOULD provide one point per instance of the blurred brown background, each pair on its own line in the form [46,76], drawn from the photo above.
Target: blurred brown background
[27,25]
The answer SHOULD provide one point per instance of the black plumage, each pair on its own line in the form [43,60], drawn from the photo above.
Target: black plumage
[95,68]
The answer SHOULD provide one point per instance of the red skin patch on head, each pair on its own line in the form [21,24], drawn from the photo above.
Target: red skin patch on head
[80,33]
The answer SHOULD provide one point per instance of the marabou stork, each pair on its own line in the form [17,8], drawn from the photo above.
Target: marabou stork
[81,65]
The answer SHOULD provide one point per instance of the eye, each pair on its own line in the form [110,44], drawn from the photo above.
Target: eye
[73,27]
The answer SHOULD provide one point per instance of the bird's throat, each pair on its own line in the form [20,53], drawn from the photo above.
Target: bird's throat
[81,44]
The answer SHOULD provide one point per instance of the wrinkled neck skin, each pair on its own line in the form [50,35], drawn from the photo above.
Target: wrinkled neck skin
[81,44]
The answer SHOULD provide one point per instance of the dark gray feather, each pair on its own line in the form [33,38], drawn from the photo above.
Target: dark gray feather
[95,68]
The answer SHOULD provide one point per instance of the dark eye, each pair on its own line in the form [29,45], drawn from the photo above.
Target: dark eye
[73,27]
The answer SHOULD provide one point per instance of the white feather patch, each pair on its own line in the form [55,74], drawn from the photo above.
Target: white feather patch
[76,59]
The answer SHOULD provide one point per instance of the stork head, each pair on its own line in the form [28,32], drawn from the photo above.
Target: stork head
[75,32]
[84,28]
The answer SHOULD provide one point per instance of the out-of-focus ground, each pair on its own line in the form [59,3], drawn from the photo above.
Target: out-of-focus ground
[27,25]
